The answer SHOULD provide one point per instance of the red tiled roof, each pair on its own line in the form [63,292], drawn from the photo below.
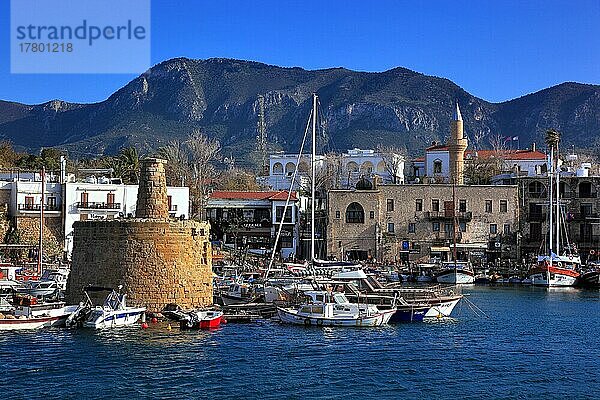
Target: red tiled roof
[437,147]
[420,159]
[238,195]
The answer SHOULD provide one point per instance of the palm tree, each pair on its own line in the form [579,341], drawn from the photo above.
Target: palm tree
[129,164]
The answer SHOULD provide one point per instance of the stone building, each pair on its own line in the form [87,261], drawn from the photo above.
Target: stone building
[415,222]
[158,259]
[579,196]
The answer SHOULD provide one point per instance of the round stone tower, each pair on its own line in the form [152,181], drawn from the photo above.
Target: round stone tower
[158,260]
[456,148]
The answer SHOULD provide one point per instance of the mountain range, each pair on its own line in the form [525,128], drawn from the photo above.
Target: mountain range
[398,107]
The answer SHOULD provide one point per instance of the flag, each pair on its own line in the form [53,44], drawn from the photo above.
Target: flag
[515,138]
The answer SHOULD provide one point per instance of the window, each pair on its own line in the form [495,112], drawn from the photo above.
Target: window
[488,206]
[29,201]
[110,199]
[355,214]
[537,189]
[535,231]
[435,226]
[411,227]
[390,227]
[84,199]
[503,206]
[279,214]
[585,209]
[493,229]
[169,203]
[419,205]
[51,203]
[507,229]
[435,205]
[437,166]
[390,205]
[462,205]
[448,227]
[287,242]
[337,214]
[278,168]
[462,226]
[371,214]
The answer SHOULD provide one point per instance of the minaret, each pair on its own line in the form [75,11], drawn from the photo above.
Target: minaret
[456,147]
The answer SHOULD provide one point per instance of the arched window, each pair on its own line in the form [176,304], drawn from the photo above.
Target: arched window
[352,166]
[437,166]
[289,168]
[366,168]
[381,167]
[355,214]
[277,168]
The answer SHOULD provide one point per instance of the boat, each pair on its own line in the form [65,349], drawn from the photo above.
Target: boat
[201,319]
[240,293]
[558,265]
[112,313]
[590,277]
[41,288]
[455,272]
[30,314]
[333,309]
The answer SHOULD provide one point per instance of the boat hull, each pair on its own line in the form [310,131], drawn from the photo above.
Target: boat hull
[113,319]
[31,323]
[290,316]
[589,280]
[204,323]
[442,309]
[559,277]
[409,314]
[455,277]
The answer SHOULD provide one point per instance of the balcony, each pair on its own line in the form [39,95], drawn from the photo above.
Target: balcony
[585,195]
[586,216]
[91,205]
[449,215]
[35,208]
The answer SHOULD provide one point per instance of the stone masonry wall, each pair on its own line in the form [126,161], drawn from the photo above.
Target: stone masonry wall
[152,200]
[53,237]
[157,262]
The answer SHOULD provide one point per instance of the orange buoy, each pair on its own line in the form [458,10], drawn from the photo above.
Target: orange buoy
[145,325]
[154,320]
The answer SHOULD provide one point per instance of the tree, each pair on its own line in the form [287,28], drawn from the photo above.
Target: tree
[393,158]
[191,162]
[237,179]
[127,165]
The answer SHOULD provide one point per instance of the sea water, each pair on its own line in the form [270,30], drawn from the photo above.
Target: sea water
[533,343]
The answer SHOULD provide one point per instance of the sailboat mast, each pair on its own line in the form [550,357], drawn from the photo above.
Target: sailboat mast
[40,250]
[551,200]
[557,189]
[313,184]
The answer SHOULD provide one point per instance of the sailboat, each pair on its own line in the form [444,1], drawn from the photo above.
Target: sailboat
[559,264]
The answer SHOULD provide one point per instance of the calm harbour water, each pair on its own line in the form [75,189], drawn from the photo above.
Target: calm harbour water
[535,344]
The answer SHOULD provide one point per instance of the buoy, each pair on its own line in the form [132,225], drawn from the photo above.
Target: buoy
[223,321]
[154,320]
[169,327]
[145,325]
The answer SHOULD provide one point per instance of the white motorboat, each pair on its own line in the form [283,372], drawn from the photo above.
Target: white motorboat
[456,272]
[41,288]
[113,313]
[29,314]
[334,309]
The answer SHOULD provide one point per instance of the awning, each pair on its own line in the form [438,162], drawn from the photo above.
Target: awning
[440,249]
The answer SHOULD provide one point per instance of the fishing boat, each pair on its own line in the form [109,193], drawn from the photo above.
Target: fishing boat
[114,312]
[201,319]
[590,277]
[334,309]
[558,263]
[30,314]
[411,303]
[455,272]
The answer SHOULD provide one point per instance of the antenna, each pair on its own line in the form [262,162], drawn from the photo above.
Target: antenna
[261,137]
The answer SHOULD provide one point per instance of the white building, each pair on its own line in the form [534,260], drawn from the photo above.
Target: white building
[94,198]
[435,165]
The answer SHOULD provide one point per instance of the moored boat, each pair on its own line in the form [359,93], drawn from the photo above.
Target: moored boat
[31,314]
[201,319]
[455,272]
[334,309]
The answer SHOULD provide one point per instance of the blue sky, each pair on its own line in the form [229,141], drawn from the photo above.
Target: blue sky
[495,50]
